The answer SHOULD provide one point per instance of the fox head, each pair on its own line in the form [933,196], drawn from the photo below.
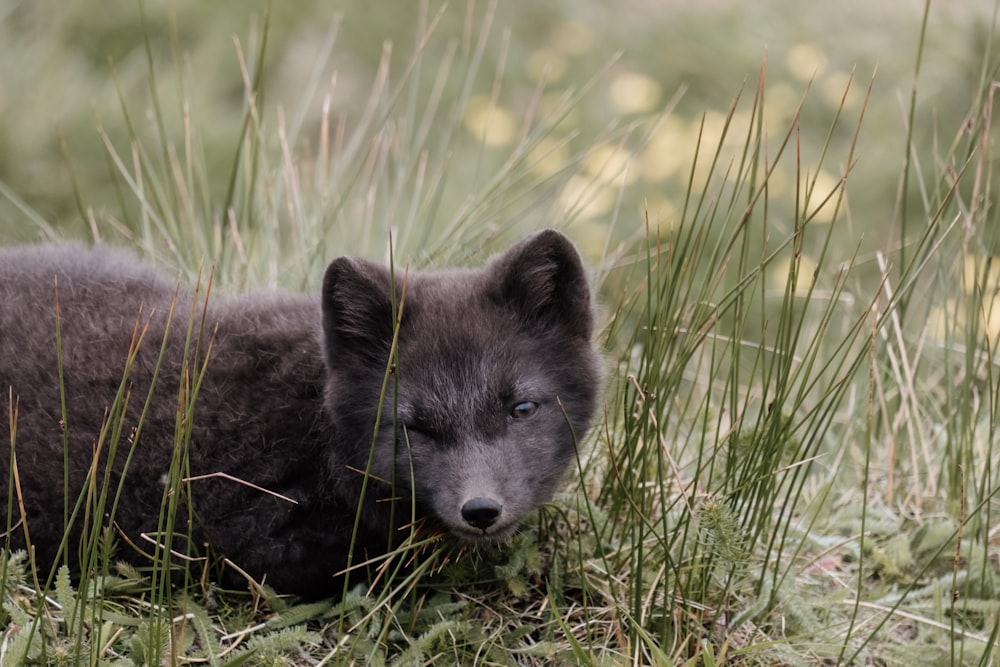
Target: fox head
[494,380]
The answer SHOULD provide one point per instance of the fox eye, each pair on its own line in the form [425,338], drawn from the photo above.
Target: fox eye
[416,429]
[524,410]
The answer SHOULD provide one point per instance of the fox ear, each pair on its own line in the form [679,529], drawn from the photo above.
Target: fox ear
[543,279]
[357,309]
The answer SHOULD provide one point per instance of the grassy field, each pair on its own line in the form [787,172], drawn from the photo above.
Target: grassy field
[790,220]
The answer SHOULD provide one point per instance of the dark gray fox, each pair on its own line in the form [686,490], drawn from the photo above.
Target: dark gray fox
[469,426]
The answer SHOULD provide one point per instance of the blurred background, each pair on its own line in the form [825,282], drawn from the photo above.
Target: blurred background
[644,79]
[268,138]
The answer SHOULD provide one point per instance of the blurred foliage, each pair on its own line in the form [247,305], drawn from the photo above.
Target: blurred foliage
[716,336]
[66,67]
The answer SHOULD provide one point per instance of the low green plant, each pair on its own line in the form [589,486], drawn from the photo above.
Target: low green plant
[793,464]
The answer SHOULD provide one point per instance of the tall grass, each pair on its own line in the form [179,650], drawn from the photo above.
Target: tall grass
[790,468]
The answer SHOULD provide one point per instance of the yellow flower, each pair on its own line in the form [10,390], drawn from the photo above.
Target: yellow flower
[669,149]
[780,104]
[806,61]
[838,88]
[493,125]
[782,270]
[548,157]
[572,38]
[974,269]
[545,65]
[583,199]
[824,189]
[609,163]
[632,92]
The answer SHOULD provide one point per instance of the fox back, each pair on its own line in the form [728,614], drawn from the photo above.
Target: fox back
[305,424]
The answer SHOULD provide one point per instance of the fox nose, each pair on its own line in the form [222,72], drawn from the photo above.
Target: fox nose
[481,513]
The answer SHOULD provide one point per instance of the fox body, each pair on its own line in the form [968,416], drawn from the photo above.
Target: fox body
[303,420]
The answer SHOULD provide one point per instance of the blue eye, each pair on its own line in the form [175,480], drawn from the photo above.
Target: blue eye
[524,410]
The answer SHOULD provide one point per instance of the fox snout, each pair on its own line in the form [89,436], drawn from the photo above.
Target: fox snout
[481,513]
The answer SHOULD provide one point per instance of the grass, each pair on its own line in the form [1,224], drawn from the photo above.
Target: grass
[793,464]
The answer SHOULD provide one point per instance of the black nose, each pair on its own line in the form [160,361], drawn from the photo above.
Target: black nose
[481,513]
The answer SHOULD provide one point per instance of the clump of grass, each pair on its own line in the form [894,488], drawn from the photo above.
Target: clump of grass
[275,212]
[385,171]
[788,471]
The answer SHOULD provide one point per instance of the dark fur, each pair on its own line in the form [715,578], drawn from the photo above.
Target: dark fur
[291,397]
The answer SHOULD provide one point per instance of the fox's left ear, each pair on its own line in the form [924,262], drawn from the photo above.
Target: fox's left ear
[542,278]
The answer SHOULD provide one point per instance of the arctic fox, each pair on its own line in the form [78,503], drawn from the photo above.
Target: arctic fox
[302,405]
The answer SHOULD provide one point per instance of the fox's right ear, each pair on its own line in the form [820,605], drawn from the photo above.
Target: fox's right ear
[357,308]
